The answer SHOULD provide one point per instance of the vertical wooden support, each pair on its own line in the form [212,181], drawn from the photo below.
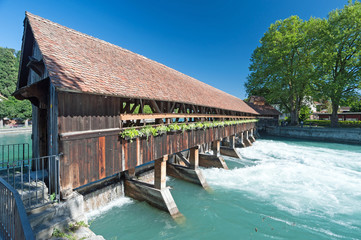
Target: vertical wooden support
[216,148]
[101,157]
[160,172]
[232,141]
[131,172]
[194,157]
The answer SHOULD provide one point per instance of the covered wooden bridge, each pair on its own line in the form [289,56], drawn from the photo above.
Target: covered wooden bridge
[86,91]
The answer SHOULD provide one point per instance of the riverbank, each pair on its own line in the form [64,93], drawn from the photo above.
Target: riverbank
[15,130]
[340,135]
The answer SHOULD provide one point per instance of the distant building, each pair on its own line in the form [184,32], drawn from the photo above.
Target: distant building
[269,116]
[265,110]
[342,116]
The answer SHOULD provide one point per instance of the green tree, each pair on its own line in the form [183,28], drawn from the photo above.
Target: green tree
[356,106]
[337,56]
[13,108]
[305,113]
[9,66]
[281,68]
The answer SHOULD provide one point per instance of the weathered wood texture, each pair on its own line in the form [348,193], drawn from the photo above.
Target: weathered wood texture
[161,199]
[87,157]
[211,161]
[187,174]
[82,112]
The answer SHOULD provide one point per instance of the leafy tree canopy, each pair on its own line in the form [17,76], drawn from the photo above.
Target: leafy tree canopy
[281,67]
[13,108]
[9,65]
[337,56]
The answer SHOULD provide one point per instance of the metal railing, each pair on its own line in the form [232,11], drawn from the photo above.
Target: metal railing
[14,223]
[37,183]
[11,152]
[35,179]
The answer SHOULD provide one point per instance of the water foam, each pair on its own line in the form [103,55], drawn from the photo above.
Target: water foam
[298,179]
[119,202]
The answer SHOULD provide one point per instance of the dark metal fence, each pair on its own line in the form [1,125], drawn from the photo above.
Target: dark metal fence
[14,152]
[35,179]
[14,223]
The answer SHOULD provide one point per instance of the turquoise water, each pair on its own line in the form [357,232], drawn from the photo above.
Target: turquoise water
[14,152]
[280,189]
[15,138]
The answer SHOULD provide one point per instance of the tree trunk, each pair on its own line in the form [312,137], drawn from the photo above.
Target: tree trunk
[334,117]
[294,117]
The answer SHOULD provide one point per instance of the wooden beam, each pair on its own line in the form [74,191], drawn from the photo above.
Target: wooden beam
[141,106]
[160,166]
[172,108]
[176,115]
[134,107]
[155,106]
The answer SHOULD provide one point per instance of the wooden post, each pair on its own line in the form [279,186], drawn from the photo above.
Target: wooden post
[160,172]
[131,172]
[194,157]
[216,148]
[232,141]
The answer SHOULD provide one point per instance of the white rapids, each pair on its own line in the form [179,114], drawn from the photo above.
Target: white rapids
[307,180]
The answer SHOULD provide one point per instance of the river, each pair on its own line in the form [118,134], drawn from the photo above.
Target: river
[280,189]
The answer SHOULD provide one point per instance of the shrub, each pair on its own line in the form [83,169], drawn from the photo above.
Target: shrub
[161,129]
[174,127]
[130,133]
[147,131]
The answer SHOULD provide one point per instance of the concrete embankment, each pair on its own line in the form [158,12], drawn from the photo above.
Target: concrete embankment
[15,130]
[341,135]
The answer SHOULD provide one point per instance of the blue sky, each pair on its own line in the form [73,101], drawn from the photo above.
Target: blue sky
[208,40]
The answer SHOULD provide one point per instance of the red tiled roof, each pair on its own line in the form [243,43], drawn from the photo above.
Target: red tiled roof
[264,109]
[78,62]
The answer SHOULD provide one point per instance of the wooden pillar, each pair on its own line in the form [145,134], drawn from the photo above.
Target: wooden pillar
[232,141]
[241,137]
[160,172]
[194,157]
[216,148]
[131,172]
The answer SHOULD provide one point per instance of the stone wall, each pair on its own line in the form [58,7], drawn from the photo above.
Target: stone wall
[341,135]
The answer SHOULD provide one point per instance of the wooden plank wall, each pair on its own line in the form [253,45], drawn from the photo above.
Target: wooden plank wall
[88,159]
[91,157]
[81,112]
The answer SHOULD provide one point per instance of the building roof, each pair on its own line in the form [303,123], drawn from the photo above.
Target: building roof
[264,109]
[81,63]
[259,104]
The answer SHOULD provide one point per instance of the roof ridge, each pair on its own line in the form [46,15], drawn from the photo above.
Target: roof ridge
[118,47]
[212,96]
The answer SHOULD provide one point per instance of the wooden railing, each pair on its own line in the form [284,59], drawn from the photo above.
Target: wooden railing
[14,223]
[178,115]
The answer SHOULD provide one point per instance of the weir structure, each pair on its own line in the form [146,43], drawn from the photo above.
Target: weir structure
[86,92]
